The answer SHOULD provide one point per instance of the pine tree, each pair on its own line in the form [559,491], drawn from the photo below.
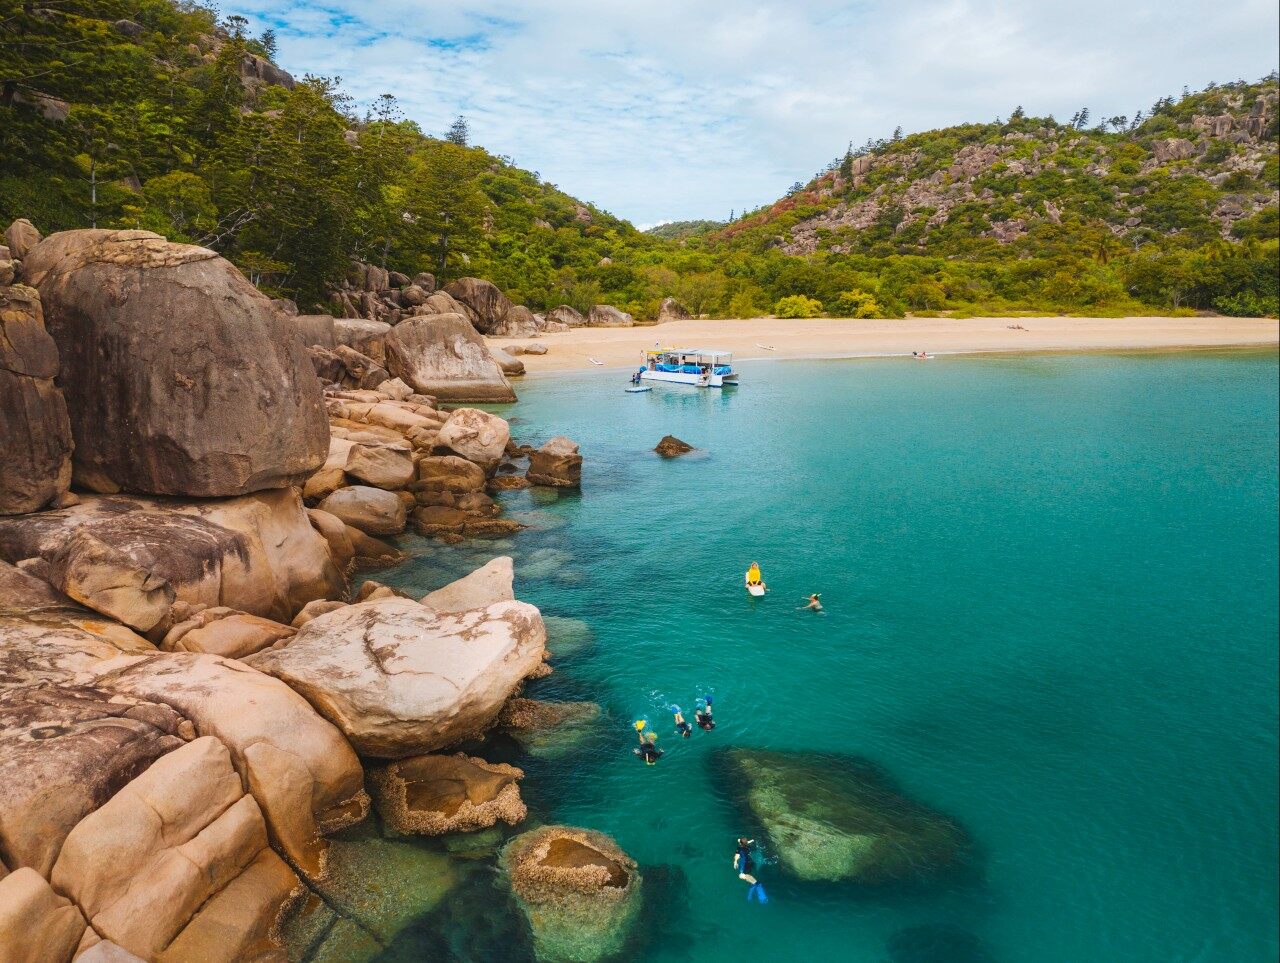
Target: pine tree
[268,41]
[459,132]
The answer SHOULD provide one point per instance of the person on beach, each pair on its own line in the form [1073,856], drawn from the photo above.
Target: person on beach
[702,715]
[811,603]
[682,727]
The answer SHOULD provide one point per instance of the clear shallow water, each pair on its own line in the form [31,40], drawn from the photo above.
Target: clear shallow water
[1051,590]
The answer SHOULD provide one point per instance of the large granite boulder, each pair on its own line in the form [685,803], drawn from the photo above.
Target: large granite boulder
[566,315]
[579,890]
[373,511]
[20,238]
[518,322]
[476,436]
[367,337]
[607,316]
[64,751]
[832,817]
[509,363]
[485,304]
[177,862]
[223,631]
[672,310]
[433,795]
[179,375]
[35,435]
[440,303]
[132,558]
[400,679]
[387,465]
[556,464]
[441,355]
[313,329]
[486,585]
[303,774]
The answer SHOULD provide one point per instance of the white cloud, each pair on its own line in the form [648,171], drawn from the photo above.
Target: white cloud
[678,109]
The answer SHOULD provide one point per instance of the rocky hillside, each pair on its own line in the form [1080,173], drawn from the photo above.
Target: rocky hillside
[1203,167]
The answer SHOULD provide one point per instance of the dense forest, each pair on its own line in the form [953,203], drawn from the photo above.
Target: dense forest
[154,114]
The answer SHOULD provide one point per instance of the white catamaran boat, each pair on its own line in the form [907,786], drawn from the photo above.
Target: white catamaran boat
[701,367]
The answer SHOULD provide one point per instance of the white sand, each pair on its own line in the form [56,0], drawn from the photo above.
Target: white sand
[849,338]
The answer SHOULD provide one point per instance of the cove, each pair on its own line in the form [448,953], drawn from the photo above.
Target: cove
[1051,614]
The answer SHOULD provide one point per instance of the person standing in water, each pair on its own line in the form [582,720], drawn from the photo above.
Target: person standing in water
[811,603]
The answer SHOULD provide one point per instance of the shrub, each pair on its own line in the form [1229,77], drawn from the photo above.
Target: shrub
[1247,304]
[857,304]
[798,306]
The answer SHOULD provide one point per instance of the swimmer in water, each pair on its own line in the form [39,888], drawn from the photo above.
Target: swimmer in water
[811,603]
[702,716]
[682,727]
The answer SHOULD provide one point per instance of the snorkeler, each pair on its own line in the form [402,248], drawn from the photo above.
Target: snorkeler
[744,866]
[682,727]
[811,603]
[647,750]
[702,715]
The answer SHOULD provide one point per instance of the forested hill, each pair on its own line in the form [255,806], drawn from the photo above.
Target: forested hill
[153,114]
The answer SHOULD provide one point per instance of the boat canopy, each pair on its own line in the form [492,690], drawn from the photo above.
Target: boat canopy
[712,353]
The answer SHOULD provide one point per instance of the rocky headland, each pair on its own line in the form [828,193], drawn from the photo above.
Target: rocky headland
[193,699]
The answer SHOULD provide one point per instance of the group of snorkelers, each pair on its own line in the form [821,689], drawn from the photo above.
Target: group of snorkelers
[648,749]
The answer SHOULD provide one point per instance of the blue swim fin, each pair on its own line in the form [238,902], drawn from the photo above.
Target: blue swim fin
[758,892]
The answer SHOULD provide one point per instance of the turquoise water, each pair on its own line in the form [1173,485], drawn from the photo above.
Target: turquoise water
[1051,613]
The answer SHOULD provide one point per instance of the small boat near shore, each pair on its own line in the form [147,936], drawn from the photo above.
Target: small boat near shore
[699,367]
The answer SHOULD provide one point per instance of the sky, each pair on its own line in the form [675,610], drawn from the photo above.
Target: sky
[660,110]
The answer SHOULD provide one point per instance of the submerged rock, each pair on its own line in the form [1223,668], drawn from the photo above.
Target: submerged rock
[566,636]
[578,889]
[831,817]
[400,679]
[937,943]
[670,446]
[433,795]
[548,730]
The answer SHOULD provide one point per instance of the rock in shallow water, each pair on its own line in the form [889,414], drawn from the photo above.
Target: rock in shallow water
[670,446]
[579,890]
[831,817]
[400,679]
[433,795]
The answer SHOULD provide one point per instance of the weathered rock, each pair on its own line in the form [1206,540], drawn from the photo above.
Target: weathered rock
[367,337]
[371,510]
[35,434]
[20,238]
[831,817]
[548,730]
[64,751]
[567,315]
[475,435]
[449,473]
[486,585]
[314,329]
[441,355]
[131,558]
[518,322]
[532,348]
[332,475]
[485,303]
[358,370]
[167,849]
[672,310]
[433,795]
[607,316]
[440,303]
[509,364]
[388,465]
[226,632]
[400,679]
[411,295]
[670,446]
[300,770]
[255,70]
[8,271]
[579,890]
[556,464]
[180,377]
[316,609]
[36,924]
[1174,148]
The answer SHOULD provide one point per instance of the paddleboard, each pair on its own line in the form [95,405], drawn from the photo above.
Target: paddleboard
[756,589]
[636,389]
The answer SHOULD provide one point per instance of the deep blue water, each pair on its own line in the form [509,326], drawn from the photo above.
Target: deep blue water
[1051,613]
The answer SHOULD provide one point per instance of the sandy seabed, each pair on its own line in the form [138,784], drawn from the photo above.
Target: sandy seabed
[851,338]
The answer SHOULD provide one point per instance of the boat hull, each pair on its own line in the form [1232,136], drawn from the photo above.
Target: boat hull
[696,381]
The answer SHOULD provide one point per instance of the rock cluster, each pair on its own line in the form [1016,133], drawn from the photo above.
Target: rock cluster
[183,692]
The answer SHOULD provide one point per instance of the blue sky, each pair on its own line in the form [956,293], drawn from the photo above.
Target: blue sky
[663,110]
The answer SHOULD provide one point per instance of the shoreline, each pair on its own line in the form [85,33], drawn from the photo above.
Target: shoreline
[847,338]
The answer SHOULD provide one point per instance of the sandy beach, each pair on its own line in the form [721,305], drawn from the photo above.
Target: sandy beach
[848,338]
